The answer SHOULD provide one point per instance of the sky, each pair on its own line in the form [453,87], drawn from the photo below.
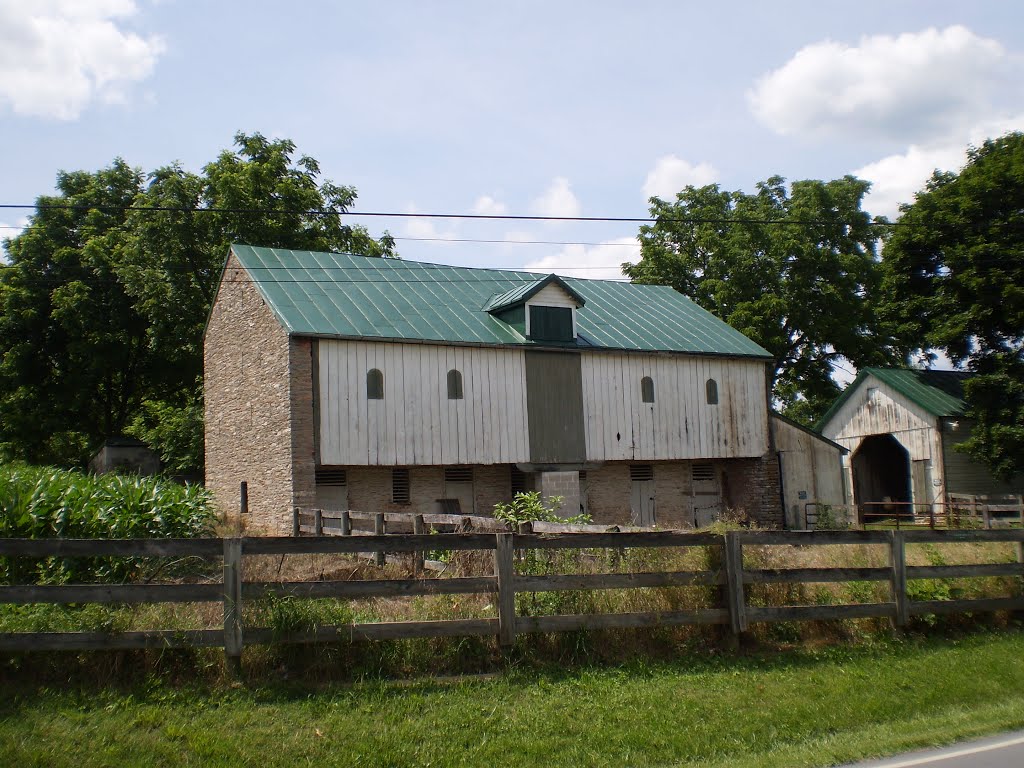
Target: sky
[555,108]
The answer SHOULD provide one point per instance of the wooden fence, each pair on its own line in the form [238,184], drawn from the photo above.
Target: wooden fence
[731,578]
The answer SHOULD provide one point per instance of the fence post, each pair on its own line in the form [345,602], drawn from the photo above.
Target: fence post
[378,529]
[986,516]
[419,528]
[898,560]
[505,573]
[295,522]
[318,522]
[734,582]
[1020,544]
[233,605]
[346,523]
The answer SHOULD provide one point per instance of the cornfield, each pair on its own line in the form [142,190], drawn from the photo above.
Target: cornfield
[42,502]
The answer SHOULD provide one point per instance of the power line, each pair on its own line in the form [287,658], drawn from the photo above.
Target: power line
[469,216]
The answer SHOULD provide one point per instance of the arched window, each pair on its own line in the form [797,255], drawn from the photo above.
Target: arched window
[454,385]
[647,389]
[711,389]
[374,385]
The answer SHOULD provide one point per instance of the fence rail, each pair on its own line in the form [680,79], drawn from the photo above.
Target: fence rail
[731,578]
[958,510]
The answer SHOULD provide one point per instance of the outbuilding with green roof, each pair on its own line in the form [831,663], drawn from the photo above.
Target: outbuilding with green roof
[901,427]
[342,381]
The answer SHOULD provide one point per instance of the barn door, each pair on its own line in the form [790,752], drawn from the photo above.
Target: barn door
[707,495]
[641,478]
[458,485]
[331,488]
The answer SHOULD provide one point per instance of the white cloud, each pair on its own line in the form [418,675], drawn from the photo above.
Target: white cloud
[58,56]
[599,262]
[897,178]
[10,231]
[426,229]
[557,200]
[915,87]
[486,205]
[671,173]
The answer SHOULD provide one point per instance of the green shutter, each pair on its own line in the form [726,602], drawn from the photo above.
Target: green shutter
[551,323]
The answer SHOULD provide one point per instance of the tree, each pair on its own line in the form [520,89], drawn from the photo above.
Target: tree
[103,306]
[797,271]
[954,281]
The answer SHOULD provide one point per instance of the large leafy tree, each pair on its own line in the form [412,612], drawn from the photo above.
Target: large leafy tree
[954,280]
[794,269]
[103,304]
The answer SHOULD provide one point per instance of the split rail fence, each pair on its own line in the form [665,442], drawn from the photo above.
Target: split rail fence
[731,579]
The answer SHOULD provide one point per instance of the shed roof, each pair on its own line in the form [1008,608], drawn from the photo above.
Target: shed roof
[339,295]
[940,393]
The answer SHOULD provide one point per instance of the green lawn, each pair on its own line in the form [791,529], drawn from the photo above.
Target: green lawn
[793,709]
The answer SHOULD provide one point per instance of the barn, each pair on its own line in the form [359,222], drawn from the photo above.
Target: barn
[342,381]
[901,427]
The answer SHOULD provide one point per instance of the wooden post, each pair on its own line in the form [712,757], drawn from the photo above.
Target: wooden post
[734,582]
[318,522]
[986,516]
[974,508]
[378,528]
[346,523]
[233,605]
[295,522]
[419,528]
[898,560]
[1020,544]
[505,573]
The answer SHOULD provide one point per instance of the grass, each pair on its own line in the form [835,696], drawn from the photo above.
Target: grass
[807,708]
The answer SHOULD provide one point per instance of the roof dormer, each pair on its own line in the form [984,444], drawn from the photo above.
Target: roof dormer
[542,310]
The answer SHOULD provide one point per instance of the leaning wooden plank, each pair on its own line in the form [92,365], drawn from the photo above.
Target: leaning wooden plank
[404,542]
[112,547]
[539,526]
[944,537]
[568,623]
[361,588]
[112,593]
[820,612]
[962,571]
[96,641]
[617,580]
[813,537]
[962,606]
[616,540]
[390,630]
[814,575]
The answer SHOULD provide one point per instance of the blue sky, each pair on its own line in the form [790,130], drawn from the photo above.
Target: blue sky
[552,107]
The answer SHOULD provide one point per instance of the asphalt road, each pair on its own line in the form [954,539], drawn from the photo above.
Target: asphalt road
[1003,751]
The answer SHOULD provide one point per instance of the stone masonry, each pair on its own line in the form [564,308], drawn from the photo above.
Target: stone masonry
[258,408]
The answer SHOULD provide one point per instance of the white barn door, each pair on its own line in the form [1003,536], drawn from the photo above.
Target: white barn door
[642,494]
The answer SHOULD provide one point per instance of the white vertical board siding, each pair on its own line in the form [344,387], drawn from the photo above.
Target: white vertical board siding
[416,423]
[552,296]
[889,413]
[679,424]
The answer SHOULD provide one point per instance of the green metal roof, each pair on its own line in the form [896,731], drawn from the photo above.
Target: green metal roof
[345,296]
[523,292]
[940,393]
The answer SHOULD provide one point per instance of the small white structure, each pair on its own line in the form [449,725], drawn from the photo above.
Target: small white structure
[810,472]
[900,427]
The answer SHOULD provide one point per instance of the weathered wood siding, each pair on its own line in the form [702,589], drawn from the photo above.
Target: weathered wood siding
[812,471]
[554,396]
[416,423]
[889,412]
[679,424]
[963,474]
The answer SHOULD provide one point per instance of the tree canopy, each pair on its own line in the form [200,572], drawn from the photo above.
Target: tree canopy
[954,281]
[103,304]
[796,270]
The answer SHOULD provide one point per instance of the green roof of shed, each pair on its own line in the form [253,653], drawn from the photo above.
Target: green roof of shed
[940,393]
[345,296]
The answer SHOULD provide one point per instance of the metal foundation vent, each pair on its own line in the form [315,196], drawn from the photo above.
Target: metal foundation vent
[458,474]
[583,476]
[640,472]
[400,486]
[702,472]
[331,476]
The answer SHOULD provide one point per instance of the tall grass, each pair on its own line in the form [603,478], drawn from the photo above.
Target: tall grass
[42,502]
